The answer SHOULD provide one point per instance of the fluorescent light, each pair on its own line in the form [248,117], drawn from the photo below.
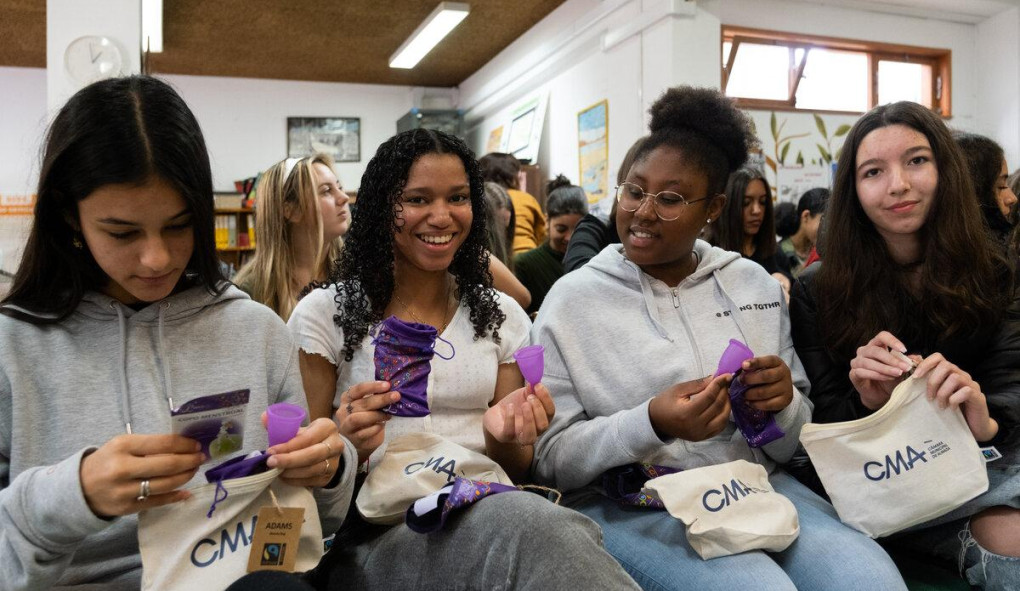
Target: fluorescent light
[152,25]
[429,33]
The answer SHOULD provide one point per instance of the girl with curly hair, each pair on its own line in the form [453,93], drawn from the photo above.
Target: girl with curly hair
[417,251]
[909,266]
[302,216]
[663,306]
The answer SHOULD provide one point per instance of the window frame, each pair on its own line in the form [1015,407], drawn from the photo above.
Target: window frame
[939,59]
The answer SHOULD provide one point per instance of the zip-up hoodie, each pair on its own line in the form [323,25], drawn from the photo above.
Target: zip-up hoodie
[615,337]
[69,388]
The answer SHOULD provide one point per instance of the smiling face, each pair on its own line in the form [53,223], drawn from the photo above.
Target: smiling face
[1003,194]
[754,207]
[561,228]
[333,203]
[896,178]
[663,249]
[140,235]
[433,213]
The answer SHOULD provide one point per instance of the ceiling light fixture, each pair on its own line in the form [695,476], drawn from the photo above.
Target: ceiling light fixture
[152,26]
[429,33]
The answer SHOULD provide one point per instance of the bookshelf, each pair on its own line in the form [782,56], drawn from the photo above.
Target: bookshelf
[235,229]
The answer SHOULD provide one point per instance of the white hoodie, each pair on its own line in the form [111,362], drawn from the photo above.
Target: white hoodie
[615,337]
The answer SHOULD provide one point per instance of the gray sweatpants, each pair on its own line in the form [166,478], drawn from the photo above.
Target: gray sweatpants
[513,540]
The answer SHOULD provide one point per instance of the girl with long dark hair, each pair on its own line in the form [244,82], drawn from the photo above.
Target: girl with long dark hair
[119,314]
[909,267]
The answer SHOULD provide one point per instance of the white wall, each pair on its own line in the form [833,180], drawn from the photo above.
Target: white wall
[998,82]
[23,120]
[245,120]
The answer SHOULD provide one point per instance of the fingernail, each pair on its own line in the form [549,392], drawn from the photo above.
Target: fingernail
[531,396]
[272,462]
[394,397]
[197,446]
[271,451]
[899,372]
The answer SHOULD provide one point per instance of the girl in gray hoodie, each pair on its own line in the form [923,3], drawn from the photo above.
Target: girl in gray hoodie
[118,314]
[629,340]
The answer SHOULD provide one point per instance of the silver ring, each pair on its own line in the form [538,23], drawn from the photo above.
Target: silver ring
[143,491]
[329,448]
[325,469]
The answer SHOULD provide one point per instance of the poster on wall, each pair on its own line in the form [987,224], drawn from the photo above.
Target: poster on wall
[340,137]
[525,133]
[495,142]
[593,150]
[794,181]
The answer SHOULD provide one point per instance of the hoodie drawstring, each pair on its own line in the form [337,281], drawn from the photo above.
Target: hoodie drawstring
[125,398]
[167,385]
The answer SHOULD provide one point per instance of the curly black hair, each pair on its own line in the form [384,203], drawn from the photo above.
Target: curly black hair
[364,274]
[706,126]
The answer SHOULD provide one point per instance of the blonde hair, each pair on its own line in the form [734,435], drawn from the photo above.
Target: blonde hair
[269,276]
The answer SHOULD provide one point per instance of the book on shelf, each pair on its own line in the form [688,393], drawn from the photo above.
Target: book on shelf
[228,200]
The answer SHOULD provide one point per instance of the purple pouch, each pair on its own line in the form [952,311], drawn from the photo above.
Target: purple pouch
[757,426]
[403,355]
[429,514]
[239,467]
[623,484]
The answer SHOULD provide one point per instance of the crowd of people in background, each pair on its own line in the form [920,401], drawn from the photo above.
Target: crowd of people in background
[119,306]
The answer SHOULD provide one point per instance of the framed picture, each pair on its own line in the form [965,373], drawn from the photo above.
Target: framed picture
[593,150]
[340,137]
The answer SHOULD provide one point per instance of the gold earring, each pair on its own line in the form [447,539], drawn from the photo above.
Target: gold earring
[709,221]
[76,243]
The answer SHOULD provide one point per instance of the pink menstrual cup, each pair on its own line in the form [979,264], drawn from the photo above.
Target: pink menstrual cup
[531,361]
[734,355]
[283,422]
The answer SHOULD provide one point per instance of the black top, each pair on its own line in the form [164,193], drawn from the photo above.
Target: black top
[590,236]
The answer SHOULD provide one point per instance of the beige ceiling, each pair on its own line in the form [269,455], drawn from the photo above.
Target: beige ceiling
[324,40]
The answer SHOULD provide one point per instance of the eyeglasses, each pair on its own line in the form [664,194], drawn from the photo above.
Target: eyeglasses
[667,204]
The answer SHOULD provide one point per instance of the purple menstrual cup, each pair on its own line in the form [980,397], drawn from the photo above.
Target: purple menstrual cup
[732,358]
[283,422]
[531,361]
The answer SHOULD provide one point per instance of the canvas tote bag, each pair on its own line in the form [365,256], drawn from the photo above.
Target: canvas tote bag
[182,548]
[414,466]
[728,508]
[907,463]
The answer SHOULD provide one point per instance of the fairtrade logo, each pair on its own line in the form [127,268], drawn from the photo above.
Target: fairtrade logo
[730,493]
[902,461]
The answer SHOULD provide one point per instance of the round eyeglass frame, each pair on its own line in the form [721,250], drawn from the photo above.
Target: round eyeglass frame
[644,195]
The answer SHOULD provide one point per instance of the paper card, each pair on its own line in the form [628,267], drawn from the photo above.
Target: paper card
[215,421]
[274,546]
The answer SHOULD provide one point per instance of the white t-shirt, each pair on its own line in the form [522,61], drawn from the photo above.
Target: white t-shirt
[459,390]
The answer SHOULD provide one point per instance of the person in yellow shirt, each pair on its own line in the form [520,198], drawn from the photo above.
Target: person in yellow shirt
[529,230]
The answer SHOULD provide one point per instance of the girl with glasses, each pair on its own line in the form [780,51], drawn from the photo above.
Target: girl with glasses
[662,308]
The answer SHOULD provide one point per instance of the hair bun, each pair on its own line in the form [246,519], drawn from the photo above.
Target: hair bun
[707,112]
[559,182]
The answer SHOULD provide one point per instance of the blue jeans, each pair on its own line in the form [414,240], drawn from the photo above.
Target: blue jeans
[652,547]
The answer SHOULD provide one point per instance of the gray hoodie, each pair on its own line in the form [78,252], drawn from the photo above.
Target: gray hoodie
[615,337]
[71,387]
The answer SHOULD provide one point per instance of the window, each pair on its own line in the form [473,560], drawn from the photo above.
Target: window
[774,70]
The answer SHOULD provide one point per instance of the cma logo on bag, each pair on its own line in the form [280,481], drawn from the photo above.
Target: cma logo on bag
[902,461]
[718,499]
[436,464]
[207,551]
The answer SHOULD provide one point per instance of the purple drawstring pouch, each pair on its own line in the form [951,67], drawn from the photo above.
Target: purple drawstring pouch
[429,514]
[623,484]
[239,467]
[757,426]
[403,356]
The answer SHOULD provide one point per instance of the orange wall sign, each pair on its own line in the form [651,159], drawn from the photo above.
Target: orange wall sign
[16,204]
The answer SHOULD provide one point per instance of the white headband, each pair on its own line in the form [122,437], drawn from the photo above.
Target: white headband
[288,167]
